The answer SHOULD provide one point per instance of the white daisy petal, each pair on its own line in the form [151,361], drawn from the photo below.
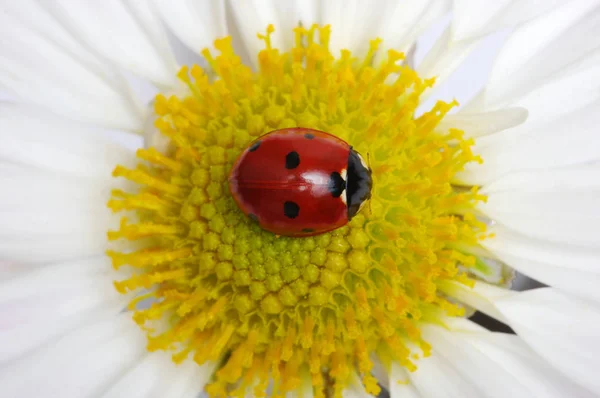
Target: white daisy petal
[307,11]
[484,123]
[445,56]
[405,21]
[474,18]
[546,103]
[462,325]
[351,24]
[58,212]
[479,296]
[70,80]
[355,23]
[571,268]
[196,23]
[562,329]
[573,178]
[559,206]
[399,384]
[126,32]
[500,364]
[570,140]
[42,303]
[48,142]
[543,48]
[252,17]
[157,376]
[290,14]
[45,190]
[52,217]
[33,15]
[448,380]
[84,363]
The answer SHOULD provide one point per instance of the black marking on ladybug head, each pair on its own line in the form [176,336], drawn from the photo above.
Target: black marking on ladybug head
[253,217]
[336,184]
[360,183]
[254,146]
[307,230]
[292,160]
[291,209]
[309,136]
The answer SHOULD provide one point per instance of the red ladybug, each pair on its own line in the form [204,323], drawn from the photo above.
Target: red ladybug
[300,182]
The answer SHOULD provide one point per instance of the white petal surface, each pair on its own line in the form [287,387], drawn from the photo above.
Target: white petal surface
[573,178]
[445,56]
[41,303]
[405,21]
[252,17]
[542,48]
[196,23]
[60,74]
[156,376]
[559,206]
[481,296]
[437,377]
[473,18]
[353,24]
[399,384]
[567,141]
[484,123]
[560,328]
[81,364]
[497,364]
[33,137]
[579,82]
[58,174]
[125,31]
[568,267]
[292,13]
[53,217]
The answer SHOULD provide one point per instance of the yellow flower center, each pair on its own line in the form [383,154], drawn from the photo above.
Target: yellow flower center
[270,309]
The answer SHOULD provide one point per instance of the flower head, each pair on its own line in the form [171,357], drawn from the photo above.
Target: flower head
[275,307]
[200,298]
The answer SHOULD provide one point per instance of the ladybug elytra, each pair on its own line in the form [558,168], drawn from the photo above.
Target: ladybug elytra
[300,182]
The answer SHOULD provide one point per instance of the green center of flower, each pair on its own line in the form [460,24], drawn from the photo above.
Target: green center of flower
[271,308]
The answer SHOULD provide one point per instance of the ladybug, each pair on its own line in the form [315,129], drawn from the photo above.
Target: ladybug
[300,182]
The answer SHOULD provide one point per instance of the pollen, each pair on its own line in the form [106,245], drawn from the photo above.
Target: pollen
[270,309]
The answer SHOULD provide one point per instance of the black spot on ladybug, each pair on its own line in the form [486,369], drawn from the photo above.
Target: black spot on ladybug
[253,217]
[291,209]
[307,230]
[254,146]
[336,184]
[309,136]
[292,160]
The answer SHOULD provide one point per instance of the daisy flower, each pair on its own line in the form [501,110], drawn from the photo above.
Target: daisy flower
[133,273]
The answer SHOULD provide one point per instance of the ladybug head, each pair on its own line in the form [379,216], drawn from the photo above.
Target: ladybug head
[359,183]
